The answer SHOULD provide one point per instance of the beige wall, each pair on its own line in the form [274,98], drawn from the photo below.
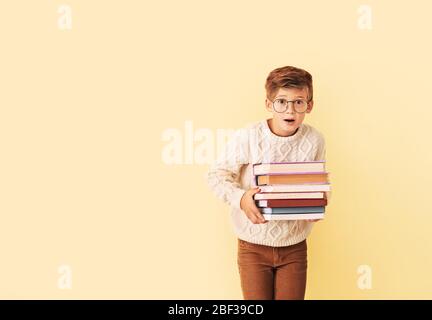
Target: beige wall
[88,112]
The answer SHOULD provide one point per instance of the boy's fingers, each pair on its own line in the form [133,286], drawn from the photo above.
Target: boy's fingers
[255,210]
[256,190]
[259,216]
[252,217]
[255,217]
[254,205]
[262,219]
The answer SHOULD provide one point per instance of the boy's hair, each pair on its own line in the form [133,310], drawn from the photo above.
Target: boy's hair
[288,77]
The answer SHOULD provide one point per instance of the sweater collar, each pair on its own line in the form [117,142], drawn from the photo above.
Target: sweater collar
[275,137]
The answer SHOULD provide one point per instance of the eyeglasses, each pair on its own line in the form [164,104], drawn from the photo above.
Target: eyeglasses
[281,105]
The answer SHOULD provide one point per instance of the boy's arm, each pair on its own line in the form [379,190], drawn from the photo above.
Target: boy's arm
[321,152]
[223,175]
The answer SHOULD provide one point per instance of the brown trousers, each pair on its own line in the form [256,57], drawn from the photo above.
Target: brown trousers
[268,273]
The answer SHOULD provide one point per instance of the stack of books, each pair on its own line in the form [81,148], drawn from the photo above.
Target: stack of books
[291,190]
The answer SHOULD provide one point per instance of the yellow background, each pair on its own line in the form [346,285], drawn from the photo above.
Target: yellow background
[82,181]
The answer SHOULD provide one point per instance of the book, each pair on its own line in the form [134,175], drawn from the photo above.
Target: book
[307,216]
[296,178]
[289,195]
[288,210]
[281,203]
[296,187]
[288,167]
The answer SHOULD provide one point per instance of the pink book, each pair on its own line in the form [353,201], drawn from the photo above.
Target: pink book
[289,167]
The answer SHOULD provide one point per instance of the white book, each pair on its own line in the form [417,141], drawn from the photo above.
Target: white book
[296,188]
[289,167]
[289,195]
[295,216]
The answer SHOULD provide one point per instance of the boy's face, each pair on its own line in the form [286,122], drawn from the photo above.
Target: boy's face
[280,124]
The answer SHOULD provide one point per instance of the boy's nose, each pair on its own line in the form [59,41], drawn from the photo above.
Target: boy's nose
[290,108]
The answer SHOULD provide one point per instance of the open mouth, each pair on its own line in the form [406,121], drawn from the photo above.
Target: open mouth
[289,120]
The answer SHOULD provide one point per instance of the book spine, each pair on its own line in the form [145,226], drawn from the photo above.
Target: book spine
[309,216]
[290,210]
[282,203]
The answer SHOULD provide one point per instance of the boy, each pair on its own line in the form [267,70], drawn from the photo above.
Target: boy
[272,255]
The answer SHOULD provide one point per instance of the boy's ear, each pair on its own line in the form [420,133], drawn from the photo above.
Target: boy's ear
[269,105]
[310,107]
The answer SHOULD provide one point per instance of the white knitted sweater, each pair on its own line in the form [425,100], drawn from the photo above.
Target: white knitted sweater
[231,175]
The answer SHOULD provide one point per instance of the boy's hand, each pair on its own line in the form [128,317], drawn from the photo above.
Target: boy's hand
[247,204]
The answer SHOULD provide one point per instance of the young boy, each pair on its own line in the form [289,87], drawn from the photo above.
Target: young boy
[272,255]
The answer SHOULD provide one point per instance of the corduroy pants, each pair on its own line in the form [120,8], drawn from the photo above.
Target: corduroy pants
[268,273]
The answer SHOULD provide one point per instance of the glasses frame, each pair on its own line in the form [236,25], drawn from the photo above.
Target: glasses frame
[288,102]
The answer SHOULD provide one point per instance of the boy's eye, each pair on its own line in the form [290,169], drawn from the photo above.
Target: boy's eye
[298,102]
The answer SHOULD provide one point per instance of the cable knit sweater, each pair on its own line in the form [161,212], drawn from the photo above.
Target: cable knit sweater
[230,176]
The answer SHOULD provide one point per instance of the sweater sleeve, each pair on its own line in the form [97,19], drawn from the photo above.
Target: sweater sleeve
[321,155]
[321,151]
[224,174]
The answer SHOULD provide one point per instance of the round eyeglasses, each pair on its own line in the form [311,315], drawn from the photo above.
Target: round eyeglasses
[281,105]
